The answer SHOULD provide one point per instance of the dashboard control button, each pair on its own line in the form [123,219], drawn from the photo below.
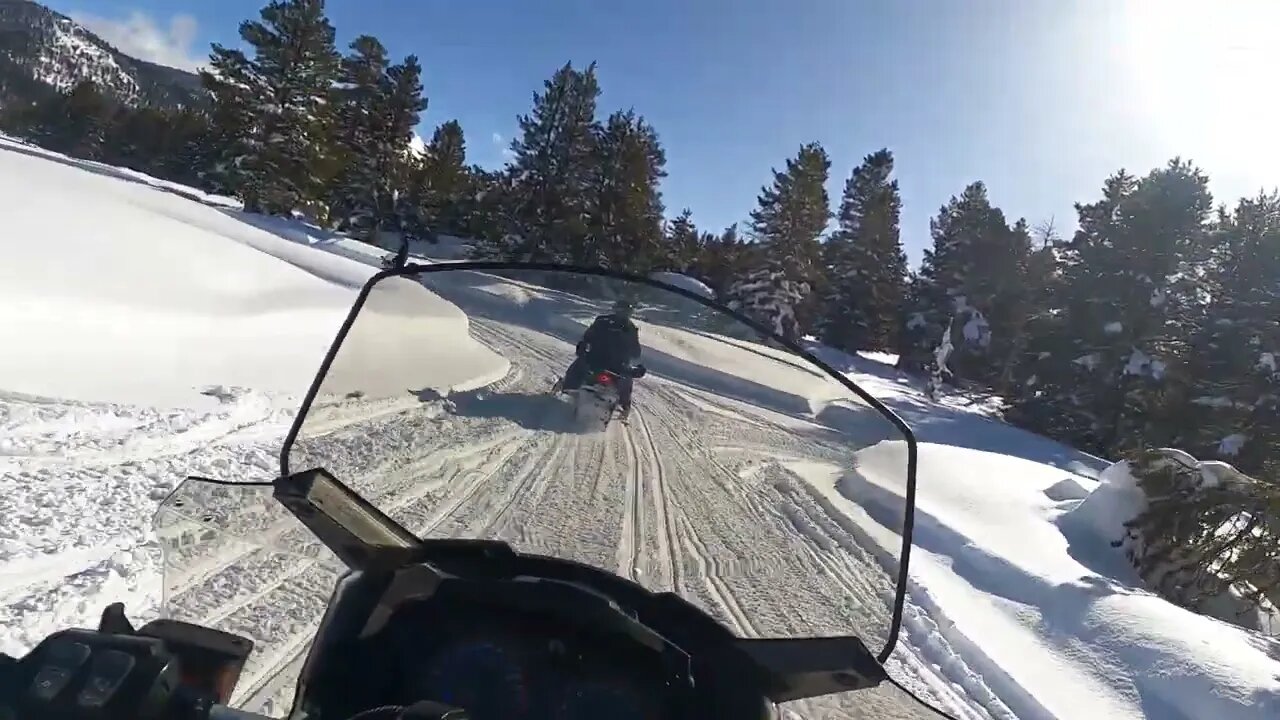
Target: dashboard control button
[106,675]
[49,681]
[60,659]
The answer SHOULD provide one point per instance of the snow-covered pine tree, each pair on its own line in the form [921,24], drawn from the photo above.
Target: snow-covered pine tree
[769,296]
[279,131]
[553,169]
[493,219]
[1207,528]
[722,259]
[626,206]
[359,125]
[1235,364]
[234,87]
[972,275]
[865,264]
[377,106]
[791,214]
[450,188]
[683,243]
[1107,359]
[75,123]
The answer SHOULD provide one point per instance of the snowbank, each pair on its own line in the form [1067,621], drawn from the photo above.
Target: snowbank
[1119,499]
[407,339]
[111,290]
[1052,621]
[1115,501]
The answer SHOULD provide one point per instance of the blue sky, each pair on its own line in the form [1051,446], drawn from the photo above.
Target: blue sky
[1041,99]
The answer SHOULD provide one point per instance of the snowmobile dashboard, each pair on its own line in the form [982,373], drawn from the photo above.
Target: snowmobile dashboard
[444,629]
[164,670]
[503,634]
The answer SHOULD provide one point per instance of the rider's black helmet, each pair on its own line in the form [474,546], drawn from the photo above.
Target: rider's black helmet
[623,307]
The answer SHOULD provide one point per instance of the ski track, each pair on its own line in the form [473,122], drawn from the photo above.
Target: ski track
[681,498]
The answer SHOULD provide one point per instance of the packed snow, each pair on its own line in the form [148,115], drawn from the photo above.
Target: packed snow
[154,332]
[684,282]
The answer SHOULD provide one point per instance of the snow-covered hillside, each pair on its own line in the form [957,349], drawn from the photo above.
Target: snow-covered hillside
[44,50]
[152,332]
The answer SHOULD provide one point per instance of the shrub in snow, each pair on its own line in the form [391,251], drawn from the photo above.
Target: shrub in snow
[938,370]
[1202,534]
[769,297]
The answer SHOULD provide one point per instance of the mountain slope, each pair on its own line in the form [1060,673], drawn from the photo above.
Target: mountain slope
[42,51]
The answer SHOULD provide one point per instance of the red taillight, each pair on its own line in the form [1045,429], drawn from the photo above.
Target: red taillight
[604,378]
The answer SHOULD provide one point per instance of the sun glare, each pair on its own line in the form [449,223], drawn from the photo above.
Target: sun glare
[1205,75]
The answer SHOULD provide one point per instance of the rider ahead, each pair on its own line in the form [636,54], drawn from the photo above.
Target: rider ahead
[612,343]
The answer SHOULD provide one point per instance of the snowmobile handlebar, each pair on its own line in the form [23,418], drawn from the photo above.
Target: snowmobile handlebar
[102,675]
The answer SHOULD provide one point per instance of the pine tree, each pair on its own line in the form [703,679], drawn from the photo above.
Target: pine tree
[768,296]
[1206,528]
[378,105]
[188,159]
[1108,364]
[1040,307]
[359,127]
[722,259]
[682,243]
[969,282]
[865,264]
[89,115]
[450,199]
[494,218]
[234,87]
[75,123]
[553,169]
[626,205]
[276,106]
[442,191]
[790,215]
[1234,395]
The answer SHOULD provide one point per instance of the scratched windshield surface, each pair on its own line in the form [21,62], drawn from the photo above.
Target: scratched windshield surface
[494,405]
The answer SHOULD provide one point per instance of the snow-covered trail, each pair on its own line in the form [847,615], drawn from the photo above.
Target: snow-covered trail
[78,482]
[701,506]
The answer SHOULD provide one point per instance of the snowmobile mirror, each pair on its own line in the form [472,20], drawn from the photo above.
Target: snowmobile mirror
[748,475]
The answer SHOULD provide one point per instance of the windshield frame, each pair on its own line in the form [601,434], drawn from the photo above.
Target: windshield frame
[416,270]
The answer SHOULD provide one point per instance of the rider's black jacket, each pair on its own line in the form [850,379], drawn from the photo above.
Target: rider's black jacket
[611,343]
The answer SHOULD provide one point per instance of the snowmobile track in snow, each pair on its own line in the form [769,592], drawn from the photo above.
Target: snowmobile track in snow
[652,488]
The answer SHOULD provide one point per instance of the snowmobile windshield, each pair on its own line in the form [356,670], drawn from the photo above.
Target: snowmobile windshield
[236,560]
[745,477]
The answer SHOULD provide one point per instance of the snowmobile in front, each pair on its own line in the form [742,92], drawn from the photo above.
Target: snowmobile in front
[414,559]
[597,400]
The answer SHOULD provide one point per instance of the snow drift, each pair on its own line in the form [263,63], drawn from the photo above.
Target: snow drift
[113,291]
[151,332]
